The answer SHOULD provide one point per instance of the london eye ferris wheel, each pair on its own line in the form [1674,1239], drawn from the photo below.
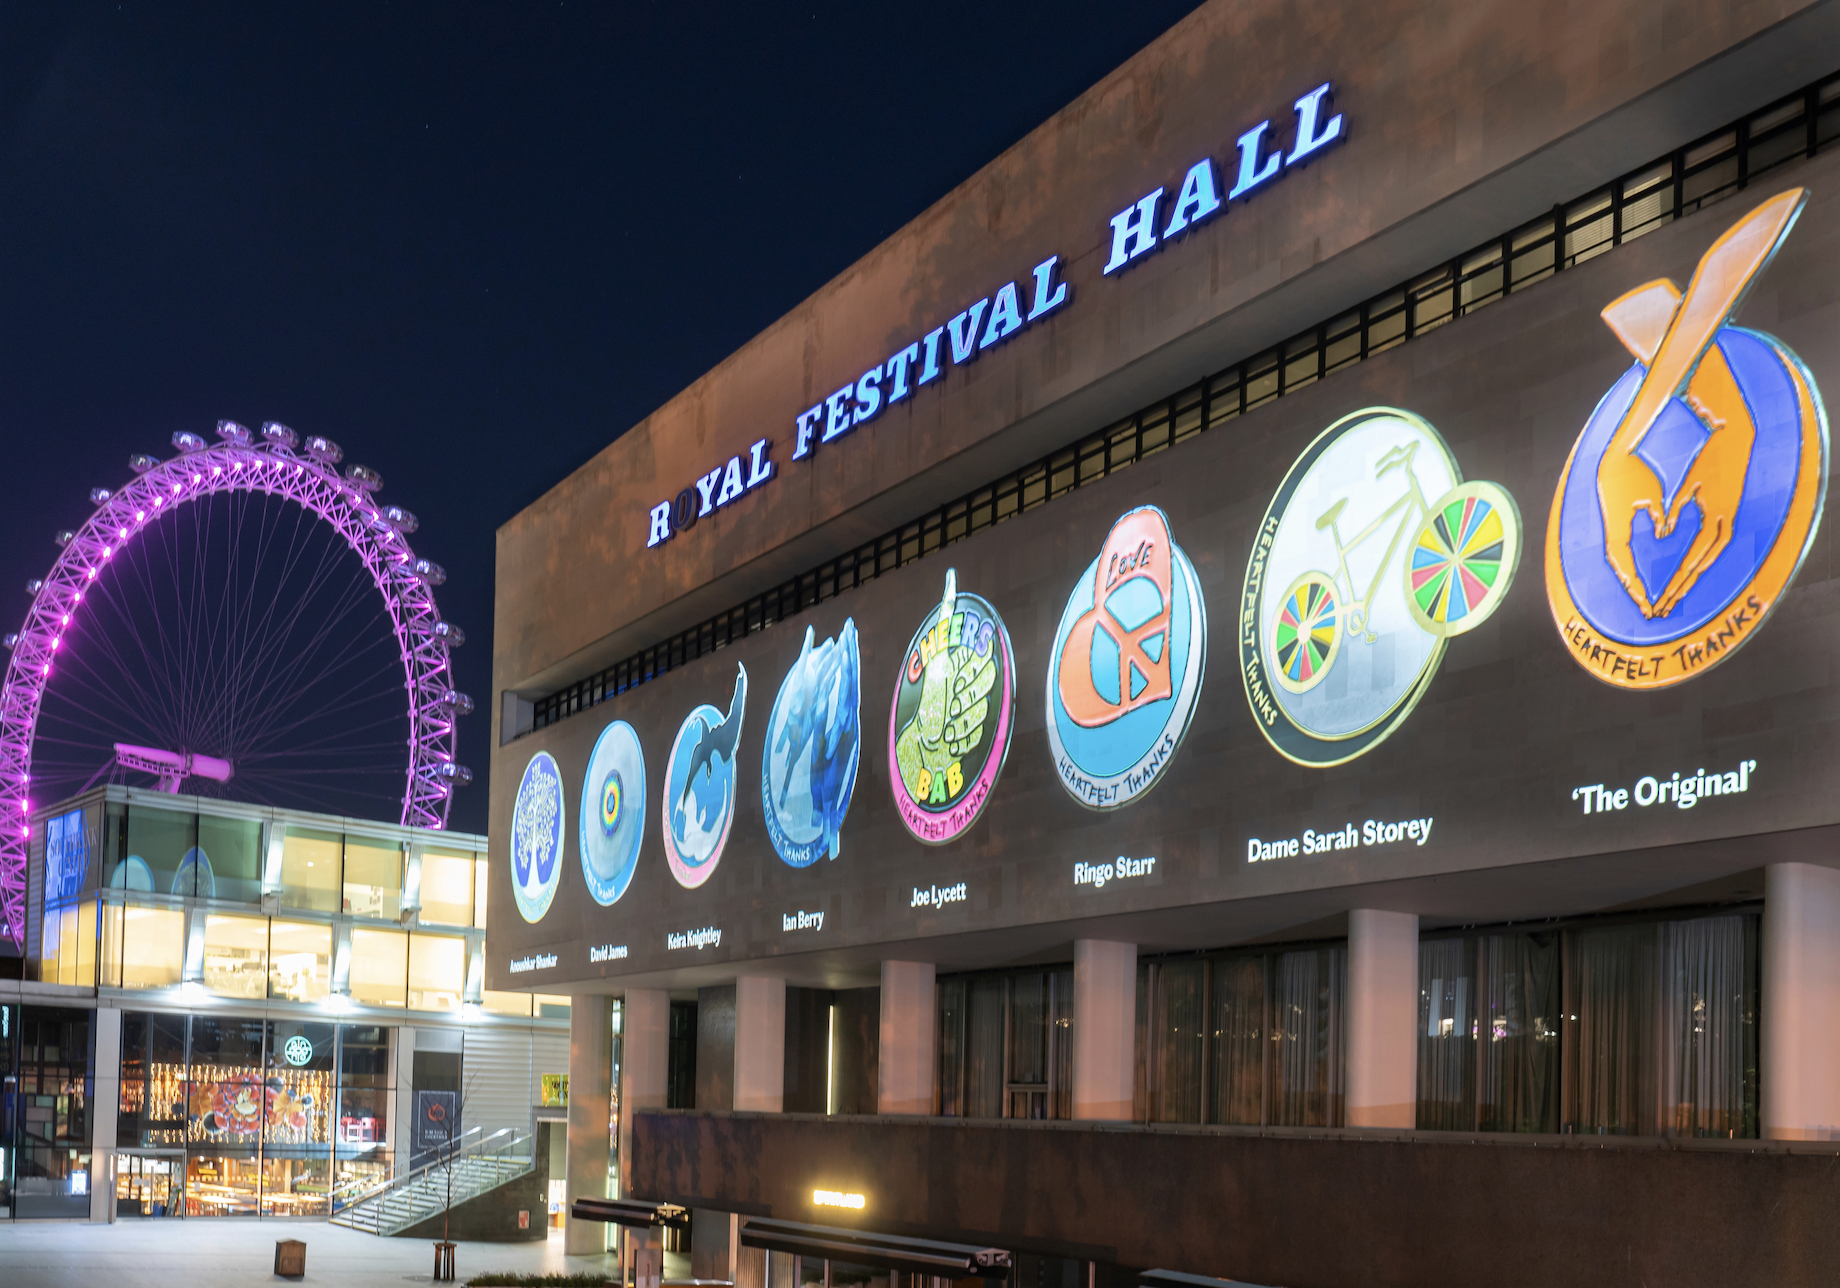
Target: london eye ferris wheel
[245,620]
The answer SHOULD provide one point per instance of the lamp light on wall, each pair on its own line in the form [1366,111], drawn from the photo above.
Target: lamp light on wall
[839,1199]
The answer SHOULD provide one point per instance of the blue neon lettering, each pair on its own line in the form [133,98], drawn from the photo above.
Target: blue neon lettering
[1251,173]
[1044,280]
[731,482]
[808,421]
[929,369]
[897,372]
[1200,197]
[661,525]
[1005,317]
[705,488]
[964,329]
[760,469]
[1133,232]
[868,396]
[1310,138]
[837,413]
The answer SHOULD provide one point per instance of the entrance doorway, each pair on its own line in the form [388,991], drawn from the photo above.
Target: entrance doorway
[149,1185]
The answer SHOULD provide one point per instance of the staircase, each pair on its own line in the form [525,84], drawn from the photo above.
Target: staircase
[386,1207]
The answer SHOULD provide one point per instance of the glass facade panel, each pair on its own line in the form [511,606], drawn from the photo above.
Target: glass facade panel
[299,960]
[152,946]
[379,966]
[437,972]
[373,878]
[159,843]
[507,1003]
[50,1104]
[228,1184]
[447,888]
[310,869]
[236,955]
[231,862]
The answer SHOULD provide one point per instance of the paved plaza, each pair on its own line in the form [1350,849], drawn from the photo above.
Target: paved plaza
[234,1254]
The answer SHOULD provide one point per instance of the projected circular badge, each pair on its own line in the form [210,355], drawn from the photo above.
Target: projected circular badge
[698,810]
[1696,488]
[814,737]
[1125,670]
[1373,553]
[536,837]
[612,812]
[954,707]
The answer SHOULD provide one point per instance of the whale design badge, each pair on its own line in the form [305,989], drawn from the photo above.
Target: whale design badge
[698,809]
[1696,488]
[1125,670]
[814,741]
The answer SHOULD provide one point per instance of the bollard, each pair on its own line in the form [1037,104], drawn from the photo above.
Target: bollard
[290,1258]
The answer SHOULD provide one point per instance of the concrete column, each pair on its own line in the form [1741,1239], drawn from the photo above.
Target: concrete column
[1801,1002]
[645,1059]
[760,1043]
[590,1060]
[1104,1029]
[1381,1018]
[402,1118]
[909,1026]
[104,1105]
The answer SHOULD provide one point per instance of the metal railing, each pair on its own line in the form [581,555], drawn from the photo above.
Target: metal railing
[399,1202]
[1721,163]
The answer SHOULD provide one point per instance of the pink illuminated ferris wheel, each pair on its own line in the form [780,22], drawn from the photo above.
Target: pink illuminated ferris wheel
[242,620]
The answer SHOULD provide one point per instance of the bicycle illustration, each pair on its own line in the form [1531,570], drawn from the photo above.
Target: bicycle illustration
[1463,551]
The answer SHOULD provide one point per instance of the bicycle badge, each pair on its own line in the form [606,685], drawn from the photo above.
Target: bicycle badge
[1127,662]
[1357,580]
[954,708]
[1696,488]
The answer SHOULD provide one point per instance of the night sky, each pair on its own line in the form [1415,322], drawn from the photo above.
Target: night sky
[473,244]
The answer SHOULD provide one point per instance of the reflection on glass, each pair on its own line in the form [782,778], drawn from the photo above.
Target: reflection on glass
[160,839]
[379,966]
[300,960]
[373,878]
[234,848]
[152,946]
[447,888]
[310,869]
[236,956]
[437,972]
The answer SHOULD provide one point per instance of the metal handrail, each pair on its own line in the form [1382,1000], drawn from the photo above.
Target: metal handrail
[370,1188]
[407,1184]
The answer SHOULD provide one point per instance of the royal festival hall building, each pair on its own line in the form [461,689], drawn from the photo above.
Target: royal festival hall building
[1254,694]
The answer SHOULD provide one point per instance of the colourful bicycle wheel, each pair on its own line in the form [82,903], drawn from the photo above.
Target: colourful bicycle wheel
[1308,633]
[1463,558]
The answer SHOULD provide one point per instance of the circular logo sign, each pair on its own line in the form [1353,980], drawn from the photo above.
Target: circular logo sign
[1373,553]
[699,787]
[1127,662]
[954,707]
[612,812]
[1696,488]
[808,769]
[298,1050]
[536,837]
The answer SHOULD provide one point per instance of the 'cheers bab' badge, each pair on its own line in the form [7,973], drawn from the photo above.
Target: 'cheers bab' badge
[1125,670]
[954,708]
[536,837]
[1696,487]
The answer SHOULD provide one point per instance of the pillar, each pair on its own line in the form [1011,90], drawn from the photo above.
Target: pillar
[590,1059]
[402,1117]
[103,1107]
[1800,998]
[1382,1018]
[909,1024]
[1104,1029]
[645,1056]
[760,1043]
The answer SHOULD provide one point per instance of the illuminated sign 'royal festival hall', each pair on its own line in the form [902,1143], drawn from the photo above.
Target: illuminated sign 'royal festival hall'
[990,321]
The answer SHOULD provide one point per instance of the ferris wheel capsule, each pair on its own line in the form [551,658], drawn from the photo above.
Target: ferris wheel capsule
[65,537]
[454,636]
[364,476]
[457,702]
[140,462]
[430,572]
[324,449]
[11,640]
[99,495]
[458,775]
[231,432]
[188,442]
[279,435]
[35,585]
[400,519]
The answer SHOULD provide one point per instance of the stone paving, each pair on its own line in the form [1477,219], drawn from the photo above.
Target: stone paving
[234,1254]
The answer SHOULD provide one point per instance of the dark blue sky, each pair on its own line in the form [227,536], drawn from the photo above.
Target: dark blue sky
[471,243]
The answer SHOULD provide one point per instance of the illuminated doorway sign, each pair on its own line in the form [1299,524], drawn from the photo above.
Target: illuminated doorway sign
[1258,157]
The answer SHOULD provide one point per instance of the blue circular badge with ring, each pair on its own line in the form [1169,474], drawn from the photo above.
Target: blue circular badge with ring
[536,837]
[612,812]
